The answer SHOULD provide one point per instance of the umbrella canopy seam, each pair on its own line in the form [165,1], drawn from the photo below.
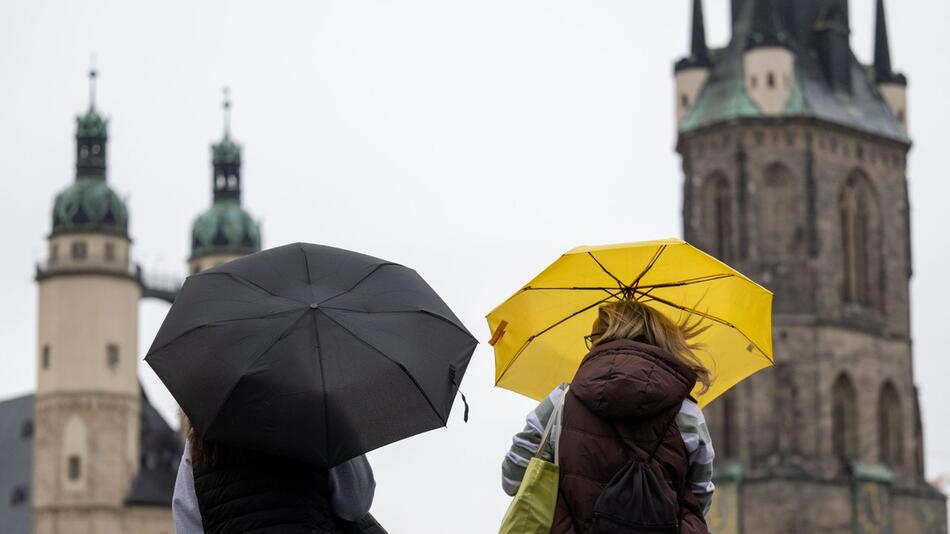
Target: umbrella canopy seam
[153,350]
[397,364]
[234,386]
[430,313]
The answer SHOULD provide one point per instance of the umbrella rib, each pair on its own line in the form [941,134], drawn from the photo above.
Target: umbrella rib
[397,364]
[569,317]
[692,281]
[219,323]
[358,282]
[656,256]
[610,274]
[242,280]
[712,318]
[426,312]
[238,381]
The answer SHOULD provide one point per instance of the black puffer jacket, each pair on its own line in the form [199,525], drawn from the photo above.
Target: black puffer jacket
[248,492]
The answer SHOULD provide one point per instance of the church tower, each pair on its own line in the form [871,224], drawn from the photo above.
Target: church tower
[225,231]
[88,403]
[795,156]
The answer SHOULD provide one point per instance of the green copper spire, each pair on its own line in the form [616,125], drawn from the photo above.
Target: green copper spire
[89,204]
[226,228]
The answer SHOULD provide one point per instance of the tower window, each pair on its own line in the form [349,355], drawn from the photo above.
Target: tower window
[53,252]
[753,82]
[79,250]
[684,101]
[720,217]
[112,355]
[770,80]
[110,252]
[220,181]
[844,418]
[232,182]
[890,431]
[96,149]
[45,357]
[858,212]
[900,116]
[74,467]
[84,152]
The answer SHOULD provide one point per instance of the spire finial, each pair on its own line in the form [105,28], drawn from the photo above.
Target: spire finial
[92,82]
[227,111]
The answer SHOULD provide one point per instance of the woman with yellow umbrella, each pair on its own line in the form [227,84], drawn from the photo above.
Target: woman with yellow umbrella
[668,328]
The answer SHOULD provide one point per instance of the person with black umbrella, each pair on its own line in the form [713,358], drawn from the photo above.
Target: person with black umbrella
[292,363]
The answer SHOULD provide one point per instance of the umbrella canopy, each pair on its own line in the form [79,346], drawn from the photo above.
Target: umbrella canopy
[311,352]
[538,333]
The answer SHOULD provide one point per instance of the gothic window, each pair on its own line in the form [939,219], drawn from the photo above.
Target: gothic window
[78,250]
[719,217]
[844,421]
[779,219]
[45,357]
[75,467]
[112,355]
[860,239]
[890,432]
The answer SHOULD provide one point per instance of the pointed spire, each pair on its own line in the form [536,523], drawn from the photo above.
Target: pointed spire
[767,27]
[882,48]
[227,112]
[698,50]
[92,83]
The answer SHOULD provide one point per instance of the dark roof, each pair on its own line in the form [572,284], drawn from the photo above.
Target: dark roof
[153,486]
[161,449]
[860,106]
[16,465]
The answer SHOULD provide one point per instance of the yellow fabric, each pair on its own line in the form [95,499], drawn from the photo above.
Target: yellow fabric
[532,509]
[533,363]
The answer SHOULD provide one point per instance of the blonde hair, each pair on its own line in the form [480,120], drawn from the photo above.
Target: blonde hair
[629,319]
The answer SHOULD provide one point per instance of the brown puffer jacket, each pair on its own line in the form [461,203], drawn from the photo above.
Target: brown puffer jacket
[638,388]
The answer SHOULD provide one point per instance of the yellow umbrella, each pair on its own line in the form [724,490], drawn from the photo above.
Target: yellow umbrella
[538,333]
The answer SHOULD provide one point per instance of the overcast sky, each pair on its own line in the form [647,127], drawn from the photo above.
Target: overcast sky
[473,141]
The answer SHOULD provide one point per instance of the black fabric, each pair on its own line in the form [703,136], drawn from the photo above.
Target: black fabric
[311,352]
[246,492]
[633,502]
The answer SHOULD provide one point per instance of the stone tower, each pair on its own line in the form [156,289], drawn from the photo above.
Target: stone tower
[794,156]
[225,231]
[88,408]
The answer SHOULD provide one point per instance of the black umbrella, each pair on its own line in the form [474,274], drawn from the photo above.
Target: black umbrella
[311,352]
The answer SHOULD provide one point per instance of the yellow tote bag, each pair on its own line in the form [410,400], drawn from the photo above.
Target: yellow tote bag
[532,509]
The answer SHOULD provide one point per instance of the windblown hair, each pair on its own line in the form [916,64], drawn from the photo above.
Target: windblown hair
[629,319]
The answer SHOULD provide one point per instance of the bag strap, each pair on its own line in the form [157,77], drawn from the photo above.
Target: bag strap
[554,417]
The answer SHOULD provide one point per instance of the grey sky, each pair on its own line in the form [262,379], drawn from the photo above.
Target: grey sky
[473,141]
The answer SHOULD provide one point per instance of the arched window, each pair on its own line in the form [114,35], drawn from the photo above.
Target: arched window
[890,431]
[860,240]
[719,217]
[74,451]
[780,213]
[844,415]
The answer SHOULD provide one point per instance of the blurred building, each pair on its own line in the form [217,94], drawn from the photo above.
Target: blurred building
[88,453]
[794,156]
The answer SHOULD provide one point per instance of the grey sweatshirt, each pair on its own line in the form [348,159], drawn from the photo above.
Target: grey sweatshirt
[352,488]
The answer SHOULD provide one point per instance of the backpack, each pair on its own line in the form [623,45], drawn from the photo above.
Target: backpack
[633,502]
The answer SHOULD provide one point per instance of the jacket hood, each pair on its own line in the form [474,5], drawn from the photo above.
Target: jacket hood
[625,379]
